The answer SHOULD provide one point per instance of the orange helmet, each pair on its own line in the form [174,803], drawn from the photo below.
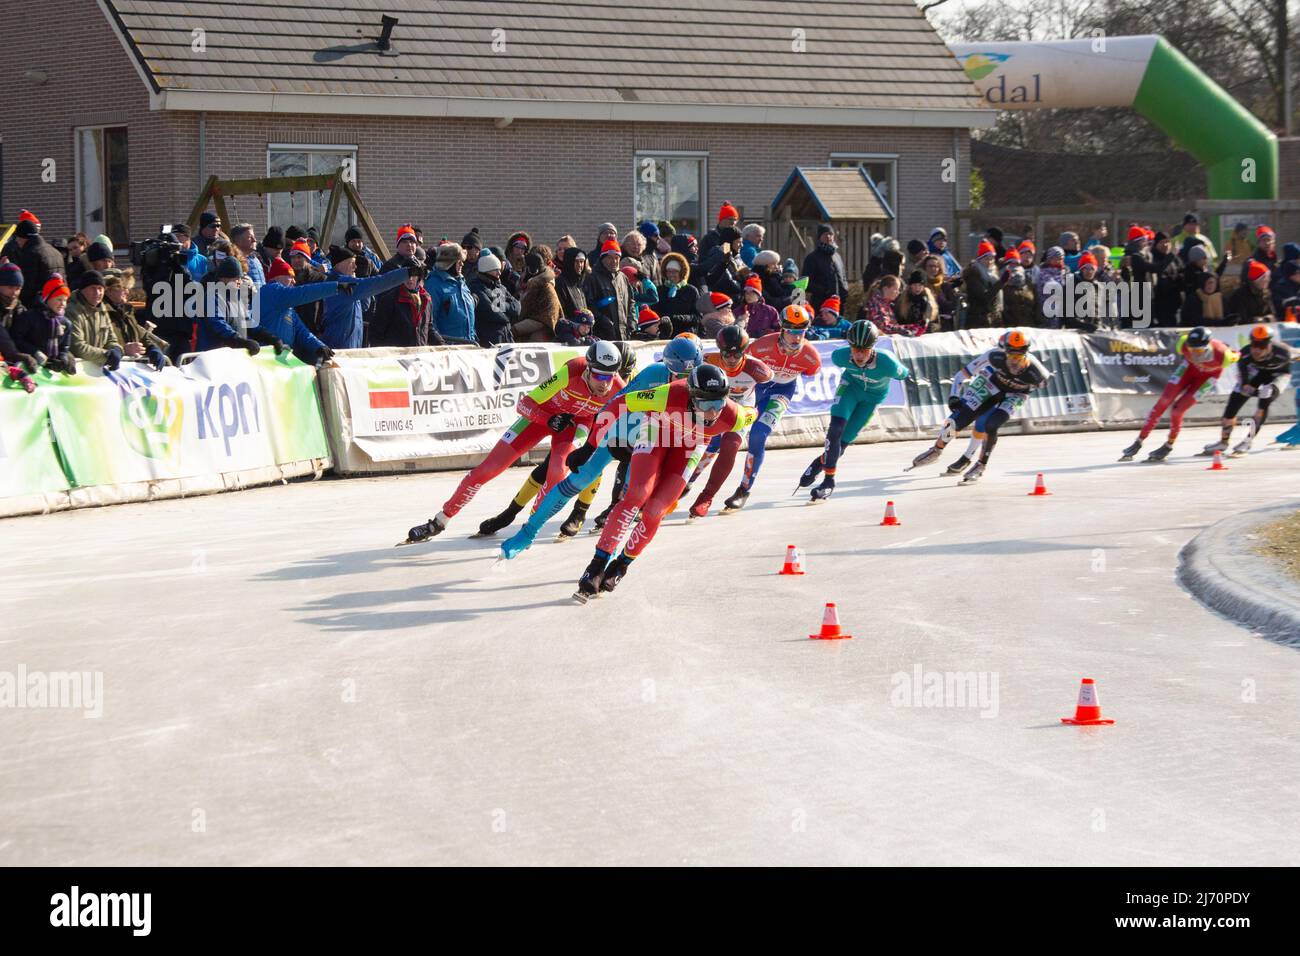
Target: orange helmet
[795,317]
[688,335]
[1260,336]
[1014,341]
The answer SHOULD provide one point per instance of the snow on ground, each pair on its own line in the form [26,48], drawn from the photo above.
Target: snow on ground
[282,685]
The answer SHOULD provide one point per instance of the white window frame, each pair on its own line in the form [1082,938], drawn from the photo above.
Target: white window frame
[78,172]
[312,148]
[891,158]
[701,155]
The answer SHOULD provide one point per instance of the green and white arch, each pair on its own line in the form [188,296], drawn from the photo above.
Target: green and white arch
[1146,73]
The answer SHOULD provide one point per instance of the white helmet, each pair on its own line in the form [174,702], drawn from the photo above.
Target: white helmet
[604,357]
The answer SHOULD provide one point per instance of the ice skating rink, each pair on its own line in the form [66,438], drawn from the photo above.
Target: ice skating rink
[282,685]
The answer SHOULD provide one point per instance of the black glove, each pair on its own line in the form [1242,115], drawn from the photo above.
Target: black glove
[323,355]
[252,347]
[559,423]
[63,363]
[279,346]
[112,359]
[580,456]
[954,403]
[26,361]
[156,358]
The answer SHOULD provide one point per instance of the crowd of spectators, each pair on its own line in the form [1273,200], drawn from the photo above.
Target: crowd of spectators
[62,303]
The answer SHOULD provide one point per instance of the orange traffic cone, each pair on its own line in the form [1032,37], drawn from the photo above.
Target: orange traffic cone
[830,626]
[1088,710]
[1218,463]
[890,519]
[1040,488]
[793,561]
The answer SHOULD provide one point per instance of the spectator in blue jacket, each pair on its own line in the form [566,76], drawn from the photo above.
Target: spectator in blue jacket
[939,246]
[274,315]
[451,300]
[341,324]
[246,243]
[196,264]
[752,244]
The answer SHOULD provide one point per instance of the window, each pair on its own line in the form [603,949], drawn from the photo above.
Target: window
[102,192]
[671,186]
[881,167]
[308,209]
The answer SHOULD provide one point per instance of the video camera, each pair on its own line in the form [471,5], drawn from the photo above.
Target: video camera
[159,254]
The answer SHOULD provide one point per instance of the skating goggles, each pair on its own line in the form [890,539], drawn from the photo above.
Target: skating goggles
[601,377]
[709,404]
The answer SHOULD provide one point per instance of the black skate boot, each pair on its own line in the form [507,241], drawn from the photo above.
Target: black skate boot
[958,466]
[423,532]
[1161,453]
[824,490]
[736,501]
[589,583]
[975,474]
[573,524]
[492,525]
[1131,450]
[601,518]
[614,573]
[810,474]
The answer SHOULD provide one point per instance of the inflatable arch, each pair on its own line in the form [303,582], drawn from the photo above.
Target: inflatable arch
[1146,73]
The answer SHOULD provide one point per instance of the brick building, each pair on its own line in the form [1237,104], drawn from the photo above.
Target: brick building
[549,117]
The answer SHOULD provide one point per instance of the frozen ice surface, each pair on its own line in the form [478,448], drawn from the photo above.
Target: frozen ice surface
[282,685]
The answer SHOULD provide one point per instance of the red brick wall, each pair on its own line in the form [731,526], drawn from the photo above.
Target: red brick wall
[447,175]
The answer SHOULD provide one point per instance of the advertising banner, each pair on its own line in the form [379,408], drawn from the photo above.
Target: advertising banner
[816,394]
[28,463]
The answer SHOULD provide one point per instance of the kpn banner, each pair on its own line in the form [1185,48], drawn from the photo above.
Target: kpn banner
[225,412]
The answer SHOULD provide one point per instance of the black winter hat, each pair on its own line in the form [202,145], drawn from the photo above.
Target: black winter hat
[229,268]
[11,275]
[729,233]
[915,277]
[339,254]
[209,219]
[994,233]
[97,250]
[354,232]
[533,263]
[915,247]
[274,238]
[293,234]
[90,277]
[823,229]
[472,240]
[27,229]
[181,229]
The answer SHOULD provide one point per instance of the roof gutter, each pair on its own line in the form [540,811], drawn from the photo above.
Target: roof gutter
[346,104]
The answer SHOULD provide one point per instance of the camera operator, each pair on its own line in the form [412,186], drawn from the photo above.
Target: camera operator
[163,274]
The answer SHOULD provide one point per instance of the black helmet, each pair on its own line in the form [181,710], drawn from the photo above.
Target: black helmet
[708,383]
[1199,337]
[628,365]
[732,341]
[863,334]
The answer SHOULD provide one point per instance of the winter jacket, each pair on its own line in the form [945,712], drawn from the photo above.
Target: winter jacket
[568,284]
[1019,309]
[43,334]
[93,334]
[130,329]
[275,306]
[609,297]
[1167,297]
[341,324]
[679,301]
[720,272]
[566,333]
[1248,303]
[747,252]
[951,267]
[196,263]
[920,313]
[539,309]
[255,271]
[983,297]
[404,319]
[38,260]
[1200,308]
[452,305]
[495,310]
[311,313]
[758,319]
[824,333]
[824,270]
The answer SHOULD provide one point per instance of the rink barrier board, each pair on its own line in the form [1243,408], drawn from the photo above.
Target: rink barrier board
[319,435]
